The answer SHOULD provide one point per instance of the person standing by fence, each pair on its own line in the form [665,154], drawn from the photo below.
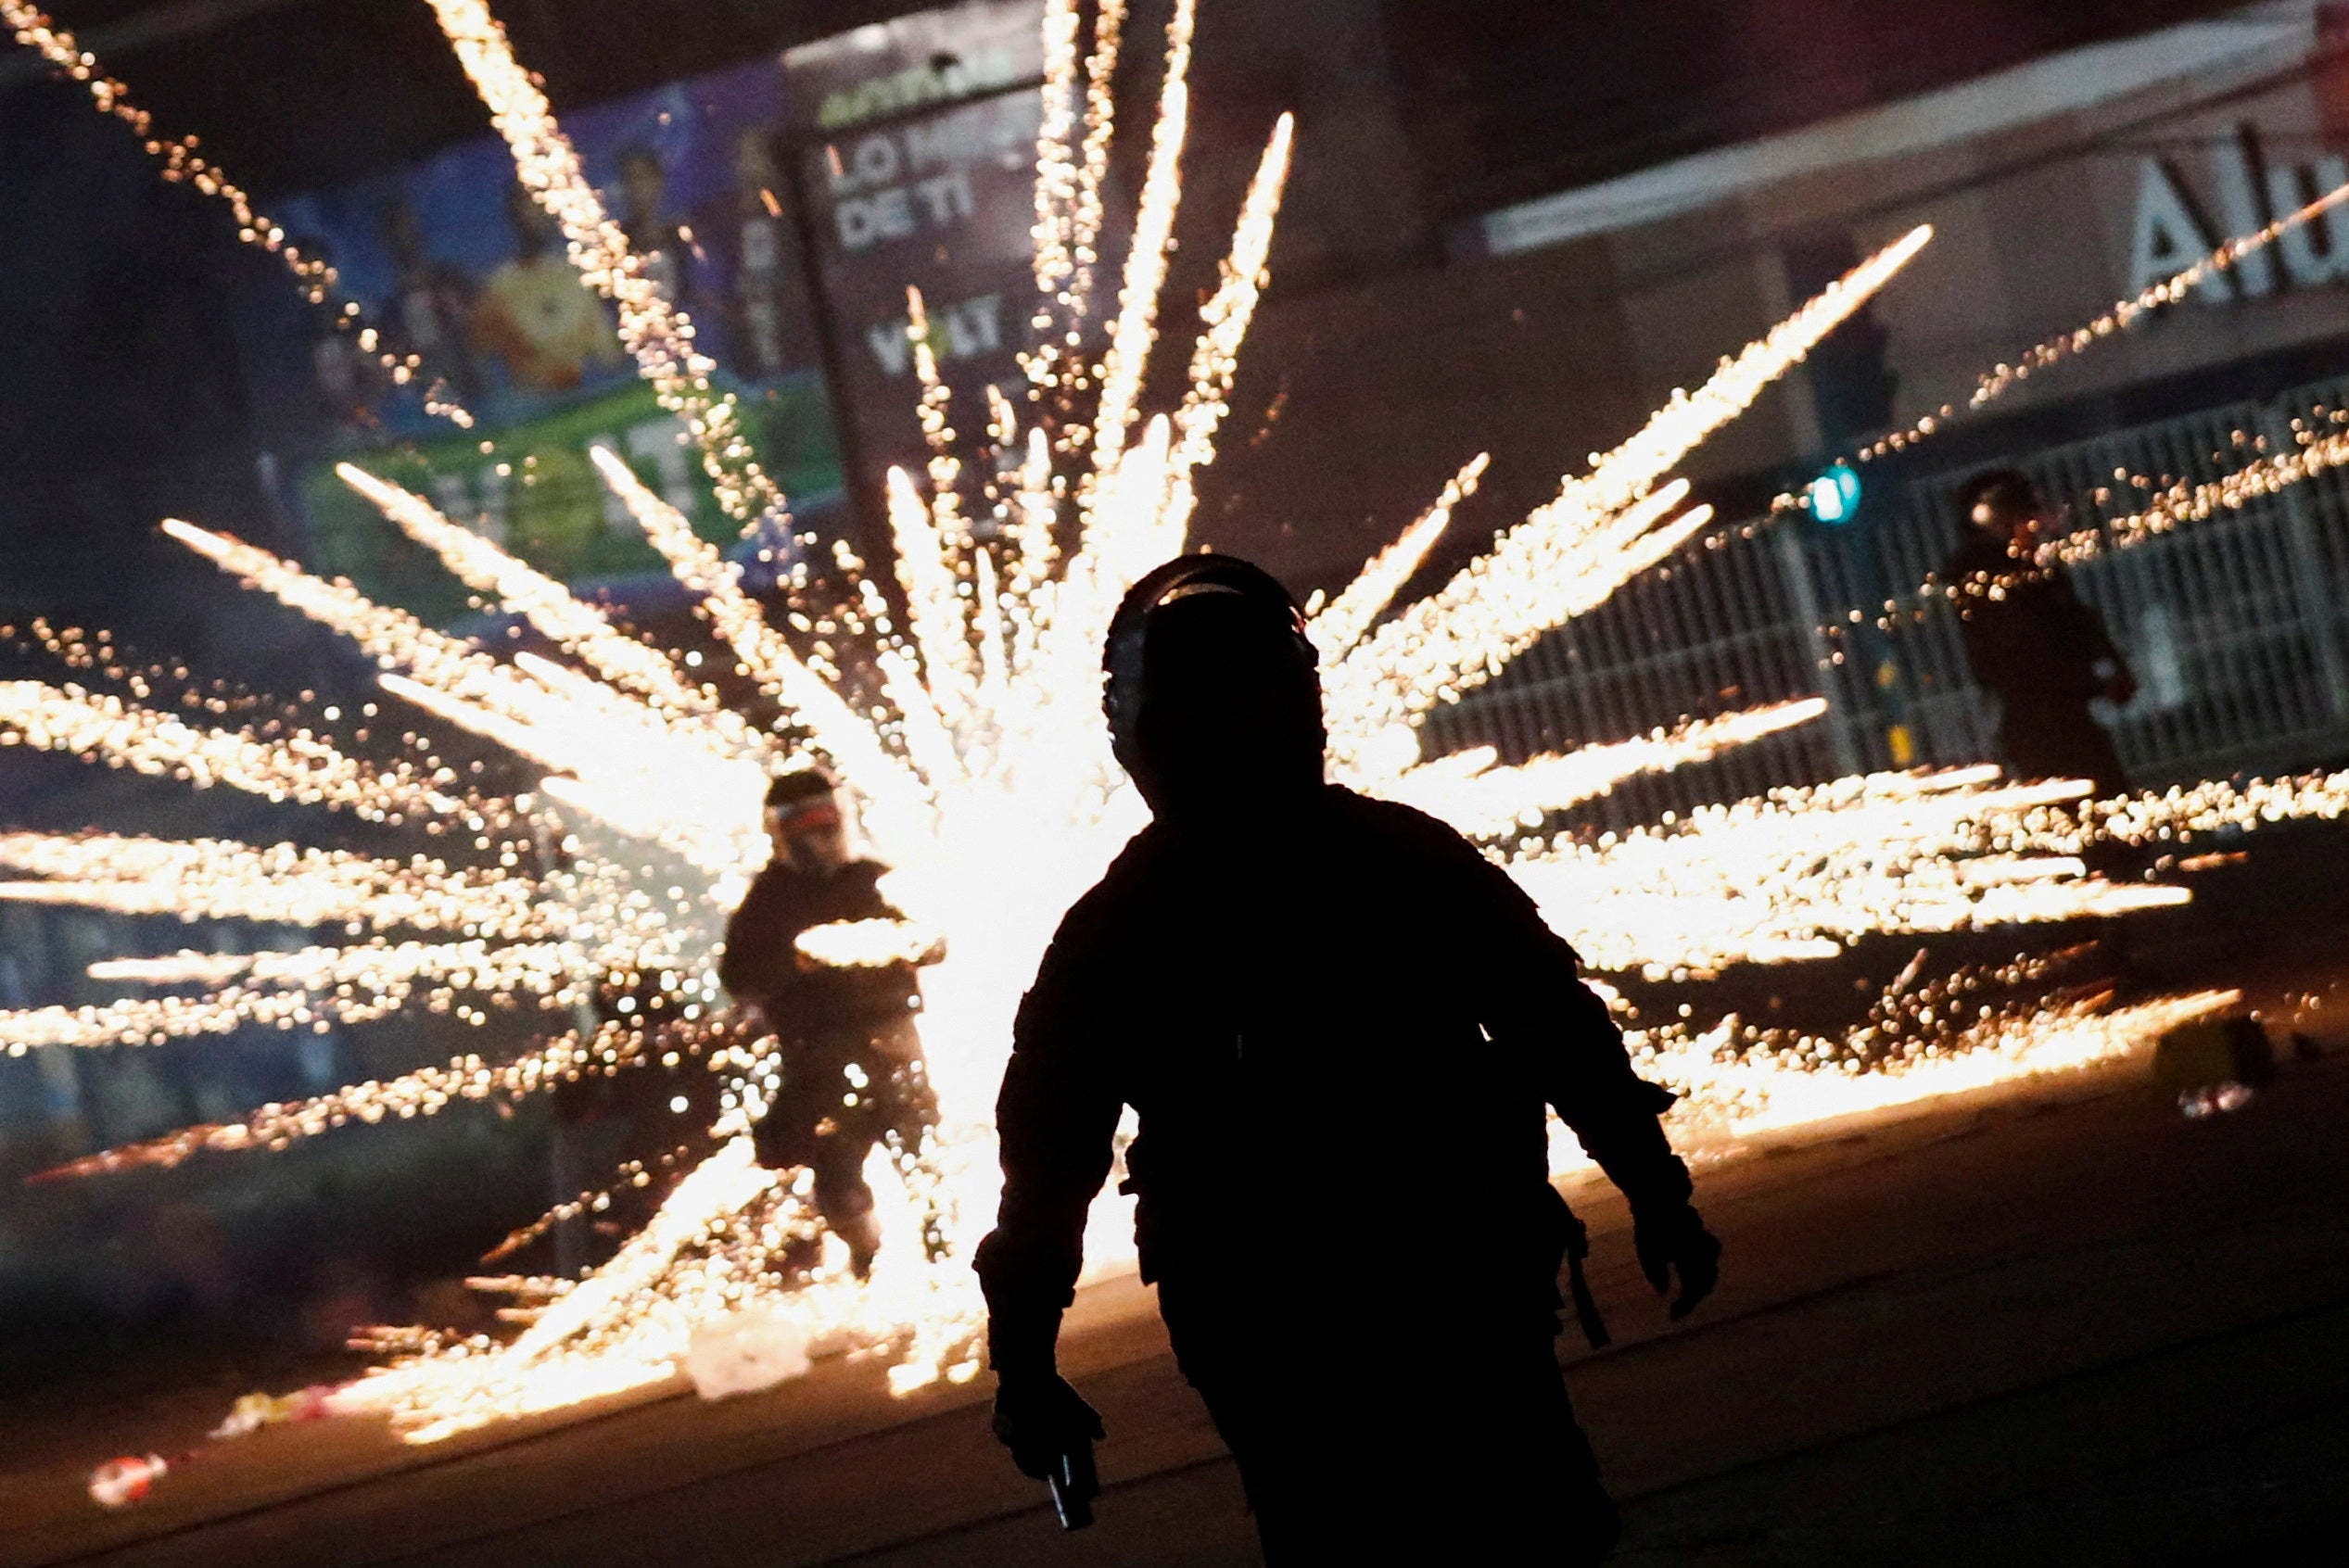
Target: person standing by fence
[2030,641]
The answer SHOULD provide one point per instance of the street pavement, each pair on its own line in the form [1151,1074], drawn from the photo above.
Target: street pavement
[2051,1324]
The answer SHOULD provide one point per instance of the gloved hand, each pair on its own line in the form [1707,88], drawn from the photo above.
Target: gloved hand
[1041,1418]
[1674,1238]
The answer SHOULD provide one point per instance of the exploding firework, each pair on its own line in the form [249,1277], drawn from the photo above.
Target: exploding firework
[984,776]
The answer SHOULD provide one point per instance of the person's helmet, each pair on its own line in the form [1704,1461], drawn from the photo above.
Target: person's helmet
[1990,499]
[1210,685]
[806,793]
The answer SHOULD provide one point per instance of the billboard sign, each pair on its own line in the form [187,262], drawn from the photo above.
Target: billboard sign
[459,267]
[914,152]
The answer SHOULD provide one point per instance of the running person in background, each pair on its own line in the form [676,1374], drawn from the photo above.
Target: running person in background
[2031,641]
[853,1074]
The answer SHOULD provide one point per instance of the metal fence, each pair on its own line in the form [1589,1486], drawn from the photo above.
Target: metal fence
[2234,625]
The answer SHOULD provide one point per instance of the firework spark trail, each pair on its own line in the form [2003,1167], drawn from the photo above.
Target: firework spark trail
[554,968]
[1482,801]
[933,411]
[934,605]
[383,631]
[1055,261]
[1757,1096]
[630,1173]
[579,627]
[1500,604]
[297,767]
[1376,705]
[1034,510]
[1127,358]
[151,1022]
[994,636]
[426,1092]
[2122,314]
[623,750]
[625,768]
[2185,811]
[217,878]
[1068,201]
[183,164]
[1798,873]
[901,803]
[1232,308]
[394,638]
[1909,1023]
[656,334]
[497,725]
[1093,163]
[1344,621]
[2188,503]
[928,744]
[2182,502]
[1069,206]
[617,1329]
[310,989]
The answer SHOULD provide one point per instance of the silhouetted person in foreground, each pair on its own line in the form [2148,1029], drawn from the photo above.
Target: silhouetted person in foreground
[2030,641]
[852,1068]
[1338,1024]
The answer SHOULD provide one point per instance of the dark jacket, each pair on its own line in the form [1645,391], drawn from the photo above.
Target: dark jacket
[2029,640]
[1338,1033]
[762,966]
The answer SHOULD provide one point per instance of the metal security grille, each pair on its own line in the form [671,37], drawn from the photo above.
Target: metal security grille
[2235,626]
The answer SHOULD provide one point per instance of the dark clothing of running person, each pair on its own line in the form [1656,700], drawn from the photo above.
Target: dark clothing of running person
[853,1074]
[1339,1026]
[2037,648]
[1339,1030]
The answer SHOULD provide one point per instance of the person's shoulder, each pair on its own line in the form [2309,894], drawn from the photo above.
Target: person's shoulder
[1125,885]
[767,884]
[1403,828]
[1096,936]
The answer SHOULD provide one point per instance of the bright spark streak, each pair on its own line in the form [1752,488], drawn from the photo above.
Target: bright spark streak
[579,627]
[934,605]
[1467,791]
[656,334]
[476,965]
[2122,315]
[867,944]
[617,1329]
[1123,366]
[298,766]
[182,164]
[934,410]
[1499,605]
[1745,1098]
[1337,626]
[1229,312]
[1797,873]
[1056,177]
[2184,502]
[218,879]
[900,801]
[426,1092]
